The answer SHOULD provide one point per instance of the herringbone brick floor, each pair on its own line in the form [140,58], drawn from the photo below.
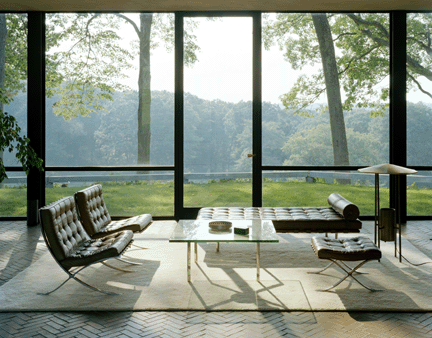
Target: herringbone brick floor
[20,246]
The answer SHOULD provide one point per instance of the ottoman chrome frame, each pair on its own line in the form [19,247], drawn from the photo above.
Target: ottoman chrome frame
[349,273]
[337,251]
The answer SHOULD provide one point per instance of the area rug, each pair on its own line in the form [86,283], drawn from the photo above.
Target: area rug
[225,280]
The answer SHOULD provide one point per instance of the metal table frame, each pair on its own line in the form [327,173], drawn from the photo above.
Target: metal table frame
[180,237]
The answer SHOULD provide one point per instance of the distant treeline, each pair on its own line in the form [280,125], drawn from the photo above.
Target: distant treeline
[218,134]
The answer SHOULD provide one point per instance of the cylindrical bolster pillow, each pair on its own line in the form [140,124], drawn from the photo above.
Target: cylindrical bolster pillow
[341,205]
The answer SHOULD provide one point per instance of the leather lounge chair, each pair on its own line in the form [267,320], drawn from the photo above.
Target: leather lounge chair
[96,219]
[71,246]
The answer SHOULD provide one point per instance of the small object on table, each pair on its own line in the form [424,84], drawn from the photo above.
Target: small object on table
[220,225]
[241,230]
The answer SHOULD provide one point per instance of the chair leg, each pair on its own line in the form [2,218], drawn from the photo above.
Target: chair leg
[72,276]
[349,273]
[116,268]
[128,262]
[139,247]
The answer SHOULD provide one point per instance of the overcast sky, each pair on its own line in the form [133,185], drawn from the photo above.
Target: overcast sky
[224,67]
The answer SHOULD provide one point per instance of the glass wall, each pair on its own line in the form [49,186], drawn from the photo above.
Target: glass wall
[110,99]
[110,103]
[13,195]
[13,101]
[125,193]
[218,111]
[325,104]
[419,112]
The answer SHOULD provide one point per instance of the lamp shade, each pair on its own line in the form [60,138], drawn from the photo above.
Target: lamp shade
[388,168]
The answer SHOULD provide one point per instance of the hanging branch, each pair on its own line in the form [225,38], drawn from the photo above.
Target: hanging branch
[419,85]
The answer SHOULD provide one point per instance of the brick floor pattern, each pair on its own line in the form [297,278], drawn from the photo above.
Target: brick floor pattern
[20,246]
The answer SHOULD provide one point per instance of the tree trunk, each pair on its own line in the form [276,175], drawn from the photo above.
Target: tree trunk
[328,56]
[144,90]
[3,36]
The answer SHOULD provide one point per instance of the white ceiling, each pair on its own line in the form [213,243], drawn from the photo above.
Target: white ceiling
[212,5]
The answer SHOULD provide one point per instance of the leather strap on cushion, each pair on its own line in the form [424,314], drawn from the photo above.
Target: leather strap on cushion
[93,211]
[344,207]
[62,227]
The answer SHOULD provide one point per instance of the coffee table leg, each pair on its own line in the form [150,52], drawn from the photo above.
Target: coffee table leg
[196,251]
[258,261]
[217,246]
[188,262]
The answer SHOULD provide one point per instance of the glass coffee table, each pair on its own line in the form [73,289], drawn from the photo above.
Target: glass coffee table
[196,231]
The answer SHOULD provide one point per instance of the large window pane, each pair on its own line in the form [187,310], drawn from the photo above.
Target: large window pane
[325,93]
[419,111]
[110,80]
[419,90]
[333,115]
[125,193]
[13,195]
[13,73]
[419,192]
[218,111]
[13,81]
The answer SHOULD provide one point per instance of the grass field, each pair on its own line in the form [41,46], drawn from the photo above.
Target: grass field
[157,198]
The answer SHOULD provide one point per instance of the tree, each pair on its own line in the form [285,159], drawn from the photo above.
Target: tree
[328,57]
[13,73]
[84,62]
[10,139]
[313,147]
[361,43]
[89,71]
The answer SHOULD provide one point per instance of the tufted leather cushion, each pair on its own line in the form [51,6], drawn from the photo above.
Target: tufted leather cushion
[96,219]
[294,219]
[69,242]
[344,207]
[92,209]
[95,250]
[135,224]
[349,249]
[62,227]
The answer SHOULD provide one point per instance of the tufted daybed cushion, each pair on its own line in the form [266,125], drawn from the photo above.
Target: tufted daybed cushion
[96,218]
[348,249]
[69,242]
[296,219]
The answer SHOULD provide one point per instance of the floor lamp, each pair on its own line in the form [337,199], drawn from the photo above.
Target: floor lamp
[389,169]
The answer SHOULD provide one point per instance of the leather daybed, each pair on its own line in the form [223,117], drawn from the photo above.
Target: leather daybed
[340,216]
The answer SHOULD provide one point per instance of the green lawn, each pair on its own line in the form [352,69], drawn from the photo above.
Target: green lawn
[157,198]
